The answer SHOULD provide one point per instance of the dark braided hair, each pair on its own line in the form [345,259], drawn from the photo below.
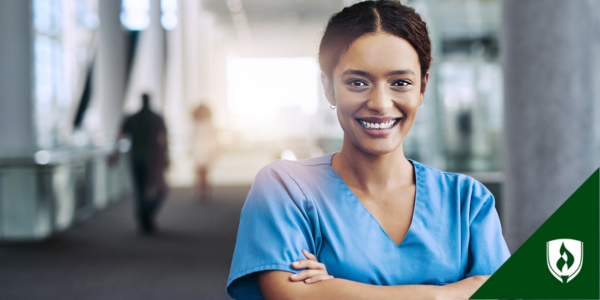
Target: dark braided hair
[369,17]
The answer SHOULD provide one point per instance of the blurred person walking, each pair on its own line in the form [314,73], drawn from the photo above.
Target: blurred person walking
[204,149]
[149,160]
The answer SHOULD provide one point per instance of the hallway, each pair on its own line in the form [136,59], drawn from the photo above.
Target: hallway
[104,257]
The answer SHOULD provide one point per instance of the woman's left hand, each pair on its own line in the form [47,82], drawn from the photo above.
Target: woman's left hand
[315,272]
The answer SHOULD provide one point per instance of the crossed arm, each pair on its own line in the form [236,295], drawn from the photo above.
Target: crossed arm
[303,285]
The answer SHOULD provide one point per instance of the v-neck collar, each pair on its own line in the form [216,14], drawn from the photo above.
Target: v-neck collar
[358,203]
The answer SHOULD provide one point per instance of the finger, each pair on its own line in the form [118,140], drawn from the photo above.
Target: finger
[318,278]
[309,255]
[308,264]
[306,274]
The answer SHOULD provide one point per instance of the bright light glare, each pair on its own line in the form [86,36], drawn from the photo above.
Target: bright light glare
[168,5]
[260,87]
[42,157]
[169,14]
[135,14]
[288,154]
[169,21]
[316,151]
[124,145]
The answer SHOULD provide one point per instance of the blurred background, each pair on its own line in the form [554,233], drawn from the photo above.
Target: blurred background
[513,101]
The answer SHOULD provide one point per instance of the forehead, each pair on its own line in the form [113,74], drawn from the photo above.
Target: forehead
[379,53]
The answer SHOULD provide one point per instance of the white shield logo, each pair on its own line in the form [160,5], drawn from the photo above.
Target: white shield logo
[564,258]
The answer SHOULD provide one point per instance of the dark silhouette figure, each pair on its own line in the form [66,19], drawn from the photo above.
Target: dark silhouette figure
[149,160]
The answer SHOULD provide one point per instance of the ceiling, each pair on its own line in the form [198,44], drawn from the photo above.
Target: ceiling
[298,23]
[277,11]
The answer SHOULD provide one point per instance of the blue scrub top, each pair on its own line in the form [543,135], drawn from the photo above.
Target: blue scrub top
[293,205]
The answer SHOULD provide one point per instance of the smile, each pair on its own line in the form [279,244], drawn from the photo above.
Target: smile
[381,125]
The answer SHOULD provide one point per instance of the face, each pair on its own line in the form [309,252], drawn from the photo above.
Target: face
[377,88]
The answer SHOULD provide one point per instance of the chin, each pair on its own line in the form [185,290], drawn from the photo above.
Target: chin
[378,149]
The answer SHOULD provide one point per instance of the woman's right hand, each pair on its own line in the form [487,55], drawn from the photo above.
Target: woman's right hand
[463,289]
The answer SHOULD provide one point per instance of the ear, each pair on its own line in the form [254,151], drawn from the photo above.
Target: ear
[424,82]
[328,88]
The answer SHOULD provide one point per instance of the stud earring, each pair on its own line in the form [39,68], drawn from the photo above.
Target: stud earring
[421,104]
[332,106]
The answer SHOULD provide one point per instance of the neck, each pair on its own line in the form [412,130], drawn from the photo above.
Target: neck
[372,173]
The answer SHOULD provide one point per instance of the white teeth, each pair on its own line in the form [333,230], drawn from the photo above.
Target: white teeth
[385,125]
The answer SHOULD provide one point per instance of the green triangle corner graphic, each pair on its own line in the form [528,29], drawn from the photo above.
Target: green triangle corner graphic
[528,273]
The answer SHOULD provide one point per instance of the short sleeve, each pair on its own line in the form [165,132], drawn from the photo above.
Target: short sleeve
[487,248]
[274,228]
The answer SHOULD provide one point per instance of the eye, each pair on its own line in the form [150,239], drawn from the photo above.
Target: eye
[356,83]
[401,83]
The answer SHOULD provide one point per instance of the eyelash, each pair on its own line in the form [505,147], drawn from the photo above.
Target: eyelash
[354,81]
[406,82]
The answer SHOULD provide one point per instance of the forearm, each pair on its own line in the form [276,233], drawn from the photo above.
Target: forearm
[346,289]
[276,285]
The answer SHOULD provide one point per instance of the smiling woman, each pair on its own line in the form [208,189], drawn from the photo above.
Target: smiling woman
[366,222]
[377,80]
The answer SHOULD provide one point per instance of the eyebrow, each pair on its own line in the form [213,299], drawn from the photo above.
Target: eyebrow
[357,72]
[367,74]
[401,72]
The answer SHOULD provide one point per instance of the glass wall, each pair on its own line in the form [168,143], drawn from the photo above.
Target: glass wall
[63,54]
[460,127]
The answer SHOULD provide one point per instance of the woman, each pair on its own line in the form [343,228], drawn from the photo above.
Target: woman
[203,149]
[380,226]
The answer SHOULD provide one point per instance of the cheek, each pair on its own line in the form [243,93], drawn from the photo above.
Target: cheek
[344,95]
[411,116]
[345,115]
[348,103]
[409,102]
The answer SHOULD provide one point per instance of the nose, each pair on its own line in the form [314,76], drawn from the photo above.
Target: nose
[379,99]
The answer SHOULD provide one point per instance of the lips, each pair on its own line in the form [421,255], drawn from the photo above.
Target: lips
[377,120]
[374,123]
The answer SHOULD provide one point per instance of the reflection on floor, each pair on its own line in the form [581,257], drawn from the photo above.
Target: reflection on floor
[105,258]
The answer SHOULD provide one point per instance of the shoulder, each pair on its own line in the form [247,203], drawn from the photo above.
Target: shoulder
[278,188]
[296,178]
[448,179]
[298,171]
[133,118]
[127,122]
[129,117]
[156,117]
[469,193]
